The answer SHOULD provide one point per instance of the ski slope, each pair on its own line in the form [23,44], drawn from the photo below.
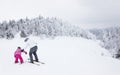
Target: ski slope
[62,56]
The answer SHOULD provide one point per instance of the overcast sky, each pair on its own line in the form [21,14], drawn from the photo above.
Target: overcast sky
[87,13]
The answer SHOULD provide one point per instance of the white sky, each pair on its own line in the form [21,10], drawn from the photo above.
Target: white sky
[88,13]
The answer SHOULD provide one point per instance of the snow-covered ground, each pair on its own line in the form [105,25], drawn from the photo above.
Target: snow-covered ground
[62,56]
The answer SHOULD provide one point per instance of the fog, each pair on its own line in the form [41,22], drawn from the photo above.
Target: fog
[87,13]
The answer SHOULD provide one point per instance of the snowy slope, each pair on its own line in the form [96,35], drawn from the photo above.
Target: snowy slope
[62,56]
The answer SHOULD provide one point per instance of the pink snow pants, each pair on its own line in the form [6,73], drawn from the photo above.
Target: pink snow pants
[17,56]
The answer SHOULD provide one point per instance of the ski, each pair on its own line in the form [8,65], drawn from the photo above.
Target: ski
[38,64]
[35,62]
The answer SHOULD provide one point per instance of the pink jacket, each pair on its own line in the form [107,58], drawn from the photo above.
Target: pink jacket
[18,52]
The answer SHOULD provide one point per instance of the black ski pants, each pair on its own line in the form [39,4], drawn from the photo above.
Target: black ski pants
[32,52]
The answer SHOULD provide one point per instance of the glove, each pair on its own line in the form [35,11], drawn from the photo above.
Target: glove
[25,52]
[22,50]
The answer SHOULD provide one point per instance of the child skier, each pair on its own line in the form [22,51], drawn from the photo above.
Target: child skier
[17,55]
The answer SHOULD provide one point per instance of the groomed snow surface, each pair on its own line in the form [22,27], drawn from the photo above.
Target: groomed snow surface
[62,56]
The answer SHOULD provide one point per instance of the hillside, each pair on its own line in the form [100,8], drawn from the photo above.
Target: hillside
[62,56]
[110,37]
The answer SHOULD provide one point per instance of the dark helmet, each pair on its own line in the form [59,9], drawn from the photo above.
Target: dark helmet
[19,47]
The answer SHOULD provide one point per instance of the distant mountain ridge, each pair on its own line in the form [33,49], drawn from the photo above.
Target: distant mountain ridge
[40,26]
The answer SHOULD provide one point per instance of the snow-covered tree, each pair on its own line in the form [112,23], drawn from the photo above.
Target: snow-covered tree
[110,37]
[40,26]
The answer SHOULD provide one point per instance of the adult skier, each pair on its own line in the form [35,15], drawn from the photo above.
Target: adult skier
[32,49]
